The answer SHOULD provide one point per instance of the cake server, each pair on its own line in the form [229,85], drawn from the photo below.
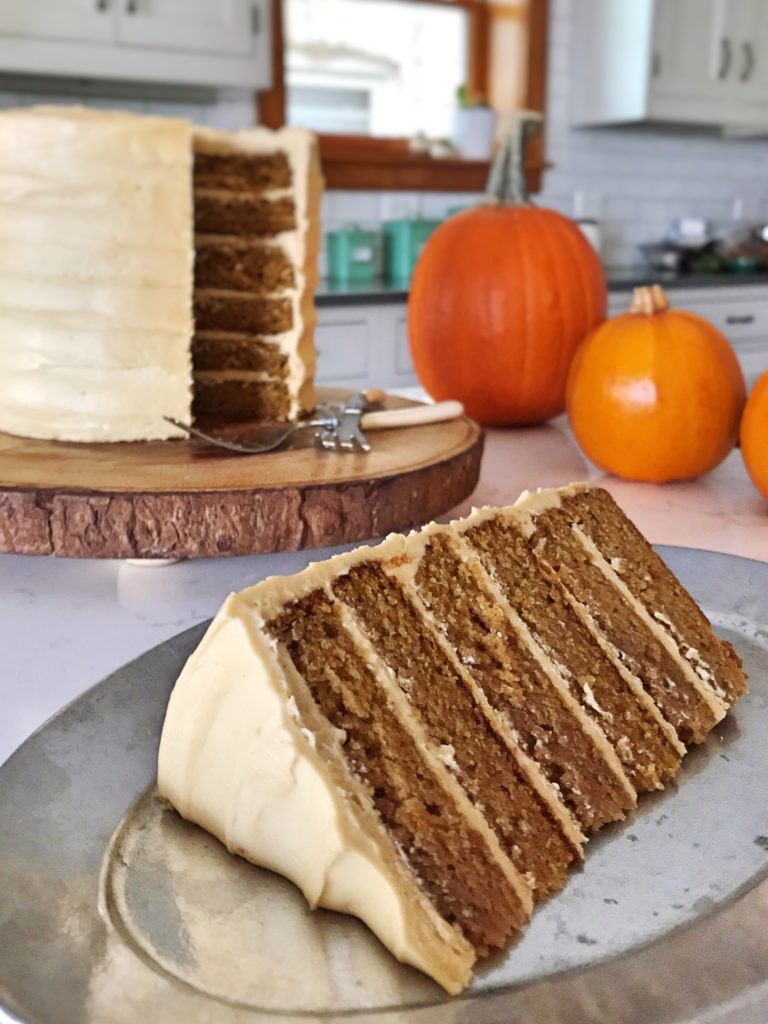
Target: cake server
[336,428]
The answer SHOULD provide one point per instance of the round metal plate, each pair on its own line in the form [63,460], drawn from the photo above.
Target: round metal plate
[114,910]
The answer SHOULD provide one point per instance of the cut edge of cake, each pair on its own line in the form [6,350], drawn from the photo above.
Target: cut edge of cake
[299,243]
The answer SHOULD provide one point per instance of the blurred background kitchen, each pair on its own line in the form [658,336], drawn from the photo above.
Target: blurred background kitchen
[655,136]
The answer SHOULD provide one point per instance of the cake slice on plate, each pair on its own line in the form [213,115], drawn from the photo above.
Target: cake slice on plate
[423,733]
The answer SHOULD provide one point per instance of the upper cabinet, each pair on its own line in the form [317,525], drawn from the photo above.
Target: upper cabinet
[201,26]
[676,61]
[183,42]
[49,19]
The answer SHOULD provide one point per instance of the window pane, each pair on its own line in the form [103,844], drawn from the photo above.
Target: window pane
[374,67]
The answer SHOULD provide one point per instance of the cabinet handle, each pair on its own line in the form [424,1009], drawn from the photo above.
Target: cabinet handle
[656,65]
[102,5]
[749,62]
[132,7]
[740,318]
[725,57]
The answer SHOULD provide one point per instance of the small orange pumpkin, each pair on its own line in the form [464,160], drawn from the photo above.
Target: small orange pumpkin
[655,394]
[500,299]
[754,435]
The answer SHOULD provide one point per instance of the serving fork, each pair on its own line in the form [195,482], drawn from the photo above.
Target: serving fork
[337,428]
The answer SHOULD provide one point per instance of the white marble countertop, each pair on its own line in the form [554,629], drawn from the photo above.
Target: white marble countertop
[67,623]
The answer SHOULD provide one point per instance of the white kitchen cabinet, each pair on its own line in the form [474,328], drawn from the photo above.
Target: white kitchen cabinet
[202,26]
[678,61]
[83,20]
[364,346]
[224,43]
[685,59]
[739,311]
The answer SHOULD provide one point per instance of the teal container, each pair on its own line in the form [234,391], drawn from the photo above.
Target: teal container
[403,242]
[354,255]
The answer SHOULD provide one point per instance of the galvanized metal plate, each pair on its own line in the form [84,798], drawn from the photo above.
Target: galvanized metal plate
[113,910]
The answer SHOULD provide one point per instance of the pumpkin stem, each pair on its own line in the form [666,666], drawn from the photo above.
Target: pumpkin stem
[649,299]
[506,181]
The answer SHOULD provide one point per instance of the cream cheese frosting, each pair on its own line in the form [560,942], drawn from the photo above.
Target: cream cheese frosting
[96,263]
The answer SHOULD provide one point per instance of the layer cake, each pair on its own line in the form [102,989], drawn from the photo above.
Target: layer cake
[130,246]
[425,733]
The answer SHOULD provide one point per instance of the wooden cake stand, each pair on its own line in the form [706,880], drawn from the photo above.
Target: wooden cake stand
[185,499]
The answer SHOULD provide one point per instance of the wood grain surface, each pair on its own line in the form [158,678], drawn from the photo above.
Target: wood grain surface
[185,499]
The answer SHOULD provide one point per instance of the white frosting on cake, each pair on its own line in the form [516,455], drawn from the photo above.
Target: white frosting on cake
[95,274]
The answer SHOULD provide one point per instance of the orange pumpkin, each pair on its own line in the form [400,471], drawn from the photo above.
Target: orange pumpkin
[754,435]
[655,394]
[500,299]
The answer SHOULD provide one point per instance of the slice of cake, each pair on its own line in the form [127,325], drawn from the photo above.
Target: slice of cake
[423,733]
[257,235]
[112,237]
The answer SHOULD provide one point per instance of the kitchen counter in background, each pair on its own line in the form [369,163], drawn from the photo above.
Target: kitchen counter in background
[68,623]
[362,330]
[620,279]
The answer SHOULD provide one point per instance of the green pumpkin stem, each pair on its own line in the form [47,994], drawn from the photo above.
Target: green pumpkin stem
[506,181]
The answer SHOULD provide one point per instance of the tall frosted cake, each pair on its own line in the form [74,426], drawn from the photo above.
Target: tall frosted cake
[152,270]
[426,732]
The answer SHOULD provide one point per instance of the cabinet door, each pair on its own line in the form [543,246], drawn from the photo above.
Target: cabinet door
[748,21]
[344,338]
[691,53]
[205,26]
[83,20]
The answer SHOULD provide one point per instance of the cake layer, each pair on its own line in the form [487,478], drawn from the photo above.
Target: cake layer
[455,722]
[212,350]
[241,399]
[242,172]
[646,745]
[241,313]
[241,214]
[419,812]
[223,263]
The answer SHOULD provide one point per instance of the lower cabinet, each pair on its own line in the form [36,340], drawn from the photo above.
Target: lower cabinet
[364,346]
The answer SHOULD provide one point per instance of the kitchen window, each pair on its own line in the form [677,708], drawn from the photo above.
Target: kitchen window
[401,80]
[372,76]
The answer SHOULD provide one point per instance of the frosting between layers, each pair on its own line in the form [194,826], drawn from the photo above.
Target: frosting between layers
[95,274]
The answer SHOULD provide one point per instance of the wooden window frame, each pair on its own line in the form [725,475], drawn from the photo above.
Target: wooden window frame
[363,162]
